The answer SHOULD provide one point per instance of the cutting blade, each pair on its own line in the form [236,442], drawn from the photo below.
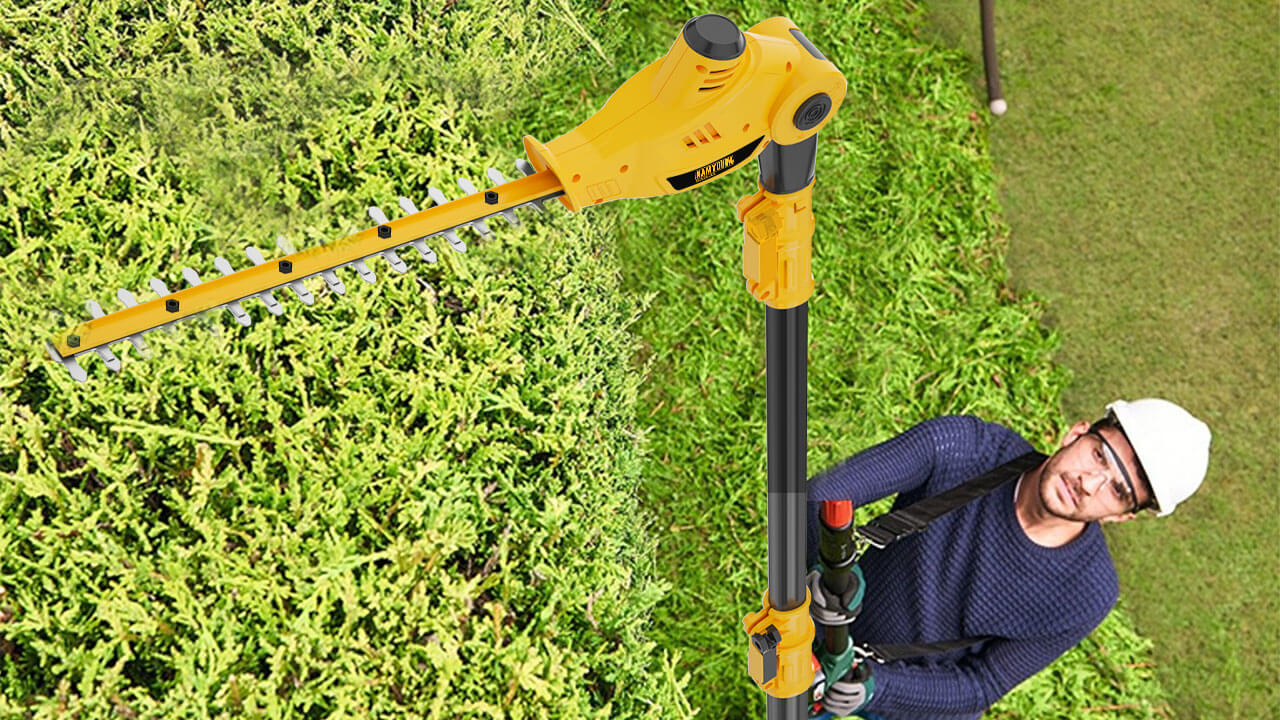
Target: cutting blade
[289,271]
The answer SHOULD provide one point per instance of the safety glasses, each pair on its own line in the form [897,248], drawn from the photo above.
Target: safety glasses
[1114,459]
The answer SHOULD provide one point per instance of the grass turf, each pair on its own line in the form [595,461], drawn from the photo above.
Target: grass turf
[1139,173]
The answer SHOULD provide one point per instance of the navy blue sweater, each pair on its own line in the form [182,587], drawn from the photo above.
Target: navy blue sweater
[973,572]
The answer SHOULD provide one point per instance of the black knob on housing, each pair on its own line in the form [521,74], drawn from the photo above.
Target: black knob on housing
[812,111]
[714,37]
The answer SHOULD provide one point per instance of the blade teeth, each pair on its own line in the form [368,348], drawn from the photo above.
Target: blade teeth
[335,284]
[126,298]
[105,353]
[140,345]
[193,279]
[496,178]
[70,363]
[427,253]
[455,242]
[298,288]
[265,296]
[302,292]
[396,262]
[379,217]
[233,307]
[470,189]
[160,289]
[389,255]
[408,208]
[523,166]
[112,362]
[364,271]
[77,372]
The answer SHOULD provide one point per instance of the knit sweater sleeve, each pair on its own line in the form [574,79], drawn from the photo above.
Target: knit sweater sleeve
[902,464]
[969,685]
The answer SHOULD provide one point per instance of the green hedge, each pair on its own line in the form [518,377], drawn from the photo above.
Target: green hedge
[415,500]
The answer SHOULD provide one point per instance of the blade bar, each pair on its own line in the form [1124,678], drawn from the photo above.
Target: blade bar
[245,283]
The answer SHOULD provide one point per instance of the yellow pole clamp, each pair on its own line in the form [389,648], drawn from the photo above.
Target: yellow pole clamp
[777,246]
[780,648]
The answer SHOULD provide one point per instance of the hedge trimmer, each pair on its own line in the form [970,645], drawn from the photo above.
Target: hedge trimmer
[717,99]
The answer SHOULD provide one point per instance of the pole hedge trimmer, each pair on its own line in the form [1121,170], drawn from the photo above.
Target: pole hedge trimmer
[719,98]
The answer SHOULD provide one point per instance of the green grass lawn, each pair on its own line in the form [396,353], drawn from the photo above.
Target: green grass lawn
[1138,168]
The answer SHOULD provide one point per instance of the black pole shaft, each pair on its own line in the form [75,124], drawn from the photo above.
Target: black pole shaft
[786,375]
[786,378]
[987,11]
[787,169]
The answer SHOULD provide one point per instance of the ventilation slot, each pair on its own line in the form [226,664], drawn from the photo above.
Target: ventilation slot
[710,136]
[716,79]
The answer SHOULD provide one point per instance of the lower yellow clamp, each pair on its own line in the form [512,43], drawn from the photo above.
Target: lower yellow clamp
[780,648]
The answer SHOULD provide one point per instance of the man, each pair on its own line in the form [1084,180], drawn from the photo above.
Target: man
[1026,564]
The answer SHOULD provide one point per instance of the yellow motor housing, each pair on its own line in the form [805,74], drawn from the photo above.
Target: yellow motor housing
[687,118]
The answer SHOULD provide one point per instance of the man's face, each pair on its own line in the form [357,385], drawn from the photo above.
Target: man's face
[1083,482]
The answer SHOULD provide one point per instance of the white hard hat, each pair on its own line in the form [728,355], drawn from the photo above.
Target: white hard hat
[1171,444]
